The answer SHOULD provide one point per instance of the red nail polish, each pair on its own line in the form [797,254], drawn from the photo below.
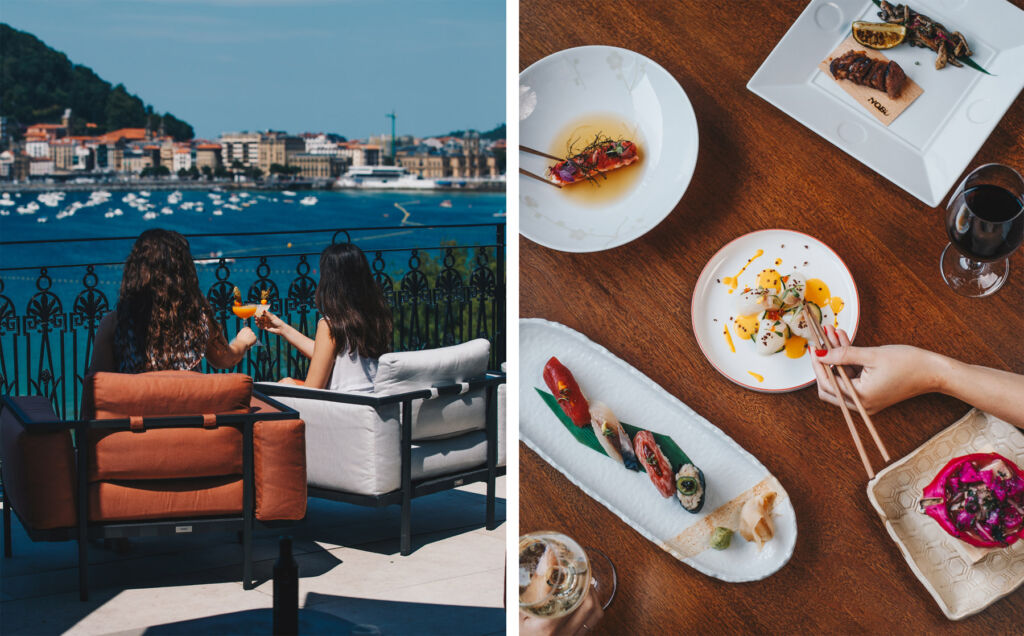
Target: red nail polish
[820,352]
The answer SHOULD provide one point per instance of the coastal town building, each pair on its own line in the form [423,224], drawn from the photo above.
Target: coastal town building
[208,156]
[48,131]
[40,167]
[48,151]
[323,144]
[183,158]
[125,135]
[62,151]
[317,166]
[278,148]
[83,158]
[359,154]
[243,148]
[37,146]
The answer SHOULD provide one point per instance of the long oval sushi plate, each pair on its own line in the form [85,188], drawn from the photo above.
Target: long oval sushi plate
[729,470]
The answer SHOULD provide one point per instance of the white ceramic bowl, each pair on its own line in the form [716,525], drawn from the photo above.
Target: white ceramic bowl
[565,86]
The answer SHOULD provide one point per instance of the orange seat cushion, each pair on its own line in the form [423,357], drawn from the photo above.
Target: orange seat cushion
[165,498]
[279,454]
[165,453]
[39,468]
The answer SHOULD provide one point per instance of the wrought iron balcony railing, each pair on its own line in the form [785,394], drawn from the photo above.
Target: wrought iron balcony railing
[445,285]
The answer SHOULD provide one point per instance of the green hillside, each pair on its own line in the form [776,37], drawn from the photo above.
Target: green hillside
[37,83]
[498,132]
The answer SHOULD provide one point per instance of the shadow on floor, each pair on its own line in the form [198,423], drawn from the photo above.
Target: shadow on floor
[327,614]
[377,530]
[40,581]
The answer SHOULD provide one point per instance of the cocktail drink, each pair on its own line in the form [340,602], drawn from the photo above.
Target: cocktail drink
[245,312]
[555,575]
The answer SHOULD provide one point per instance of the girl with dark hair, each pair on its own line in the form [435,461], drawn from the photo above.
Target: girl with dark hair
[163,321]
[355,327]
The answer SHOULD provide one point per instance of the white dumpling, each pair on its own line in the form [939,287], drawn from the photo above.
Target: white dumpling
[771,336]
[797,322]
[754,301]
[793,293]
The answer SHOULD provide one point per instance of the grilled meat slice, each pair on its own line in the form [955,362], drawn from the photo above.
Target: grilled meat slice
[876,78]
[860,69]
[895,80]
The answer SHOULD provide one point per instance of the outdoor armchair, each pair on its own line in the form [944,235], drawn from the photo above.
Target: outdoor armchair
[430,424]
[161,453]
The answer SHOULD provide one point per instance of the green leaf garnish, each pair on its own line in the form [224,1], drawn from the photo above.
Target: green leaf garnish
[585,435]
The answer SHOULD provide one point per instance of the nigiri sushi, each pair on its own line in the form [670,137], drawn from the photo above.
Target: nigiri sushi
[654,462]
[612,436]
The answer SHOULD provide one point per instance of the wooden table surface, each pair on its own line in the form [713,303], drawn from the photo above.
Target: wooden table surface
[758,168]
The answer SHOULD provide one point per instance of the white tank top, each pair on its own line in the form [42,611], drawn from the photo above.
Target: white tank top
[352,372]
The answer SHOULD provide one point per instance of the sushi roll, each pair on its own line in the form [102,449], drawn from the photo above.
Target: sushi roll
[793,292]
[771,336]
[690,488]
[612,437]
[753,301]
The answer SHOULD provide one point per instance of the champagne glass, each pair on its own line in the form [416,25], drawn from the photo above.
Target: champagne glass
[985,224]
[555,574]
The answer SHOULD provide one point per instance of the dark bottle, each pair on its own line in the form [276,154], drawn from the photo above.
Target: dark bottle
[286,591]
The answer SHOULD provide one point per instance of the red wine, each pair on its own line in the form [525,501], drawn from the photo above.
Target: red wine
[985,223]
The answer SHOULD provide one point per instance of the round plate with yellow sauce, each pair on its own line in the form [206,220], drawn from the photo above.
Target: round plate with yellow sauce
[728,333]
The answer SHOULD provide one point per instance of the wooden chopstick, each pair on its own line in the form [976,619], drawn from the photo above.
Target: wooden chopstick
[539,153]
[822,344]
[853,395]
[539,178]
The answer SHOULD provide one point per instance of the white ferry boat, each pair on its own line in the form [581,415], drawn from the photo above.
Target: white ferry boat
[383,178]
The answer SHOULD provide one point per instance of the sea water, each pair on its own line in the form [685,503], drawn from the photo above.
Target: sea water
[399,221]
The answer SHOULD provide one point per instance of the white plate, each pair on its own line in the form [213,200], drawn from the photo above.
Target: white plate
[929,144]
[558,90]
[728,469]
[712,305]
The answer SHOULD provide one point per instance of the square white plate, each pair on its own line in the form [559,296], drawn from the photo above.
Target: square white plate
[930,144]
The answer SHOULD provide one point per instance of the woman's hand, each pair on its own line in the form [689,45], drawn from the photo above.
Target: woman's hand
[270,322]
[586,616]
[246,337]
[881,376]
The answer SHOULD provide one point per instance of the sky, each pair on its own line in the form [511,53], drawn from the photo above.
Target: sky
[294,65]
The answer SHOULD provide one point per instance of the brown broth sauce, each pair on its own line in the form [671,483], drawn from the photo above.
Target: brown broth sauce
[613,185]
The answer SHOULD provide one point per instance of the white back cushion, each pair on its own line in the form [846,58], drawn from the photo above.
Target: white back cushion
[416,370]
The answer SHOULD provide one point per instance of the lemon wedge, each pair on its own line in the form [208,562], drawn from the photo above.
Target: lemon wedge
[879,35]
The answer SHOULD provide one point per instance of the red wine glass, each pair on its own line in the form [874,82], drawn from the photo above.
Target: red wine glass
[985,224]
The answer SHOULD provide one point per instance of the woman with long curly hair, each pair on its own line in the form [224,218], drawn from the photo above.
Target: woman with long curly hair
[355,327]
[163,321]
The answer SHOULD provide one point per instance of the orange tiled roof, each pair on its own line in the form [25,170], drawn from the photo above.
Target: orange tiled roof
[131,134]
[208,147]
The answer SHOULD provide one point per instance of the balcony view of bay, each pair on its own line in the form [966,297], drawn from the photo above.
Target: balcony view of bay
[314,163]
